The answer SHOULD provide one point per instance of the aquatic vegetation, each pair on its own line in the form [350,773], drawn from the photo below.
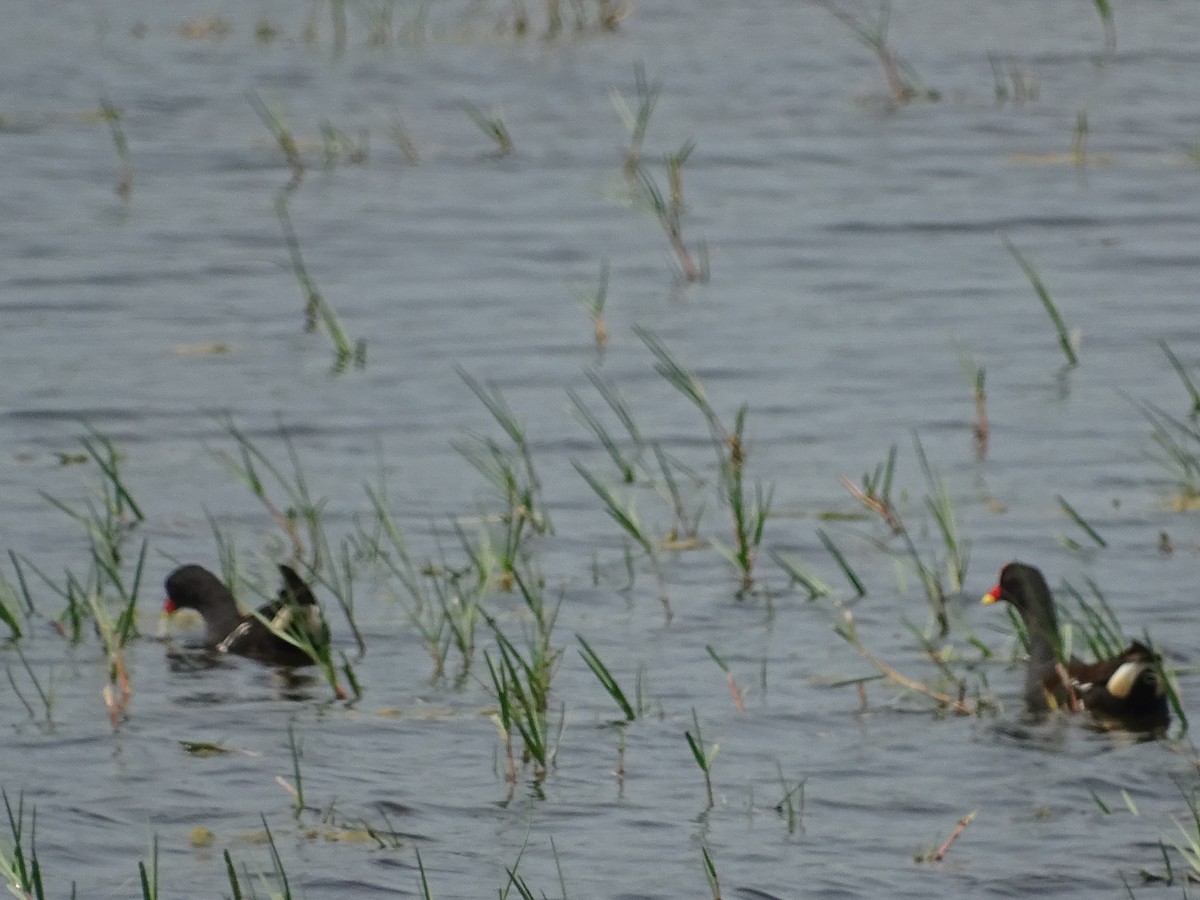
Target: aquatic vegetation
[957,548]
[112,115]
[337,19]
[626,465]
[521,680]
[1104,11]
[791,805]
[106,595]
[801,574]
[1024,88]
[980,428]
[637,117]
[280,891]
[939,854]
[938,576]
[1081,522]
[456,568]
[669,214]
[710,873]
[1068,340]
[45,694]
[903,82]
[19,864]
[316,307]
[510,471]
[399,133]
[625,515]
[284,138]
[149,877]
[1079,139]
[253,468]
[1185,377]
[847,630]
[876,490]
[1179,453]
[491,125]
[593,303]
[704,755]
[749,512]
[337,146]
[842,563]
[606,679]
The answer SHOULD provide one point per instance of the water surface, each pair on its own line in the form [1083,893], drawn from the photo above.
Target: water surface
[855,260]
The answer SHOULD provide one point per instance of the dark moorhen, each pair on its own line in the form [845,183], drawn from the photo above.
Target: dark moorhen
[1125,690]
[227,630]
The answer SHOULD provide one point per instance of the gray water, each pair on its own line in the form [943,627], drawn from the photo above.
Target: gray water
[855,259]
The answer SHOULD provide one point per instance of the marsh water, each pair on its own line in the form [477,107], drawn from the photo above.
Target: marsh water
[857,275]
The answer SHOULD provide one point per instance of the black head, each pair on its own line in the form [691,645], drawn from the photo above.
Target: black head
[193,587]
[1021,585]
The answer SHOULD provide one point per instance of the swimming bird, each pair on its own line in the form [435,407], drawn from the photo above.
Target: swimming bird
[227,630]
[1124,690]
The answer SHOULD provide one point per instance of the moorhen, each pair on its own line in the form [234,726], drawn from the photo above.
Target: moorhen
[227,630]
[1125,690]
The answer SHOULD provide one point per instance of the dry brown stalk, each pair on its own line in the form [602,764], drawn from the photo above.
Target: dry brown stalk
[873,503]
[959,829]
[958,705]
[736,692]
[118,692]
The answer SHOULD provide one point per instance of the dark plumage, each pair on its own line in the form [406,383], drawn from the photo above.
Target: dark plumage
[227,630]
[1125,690]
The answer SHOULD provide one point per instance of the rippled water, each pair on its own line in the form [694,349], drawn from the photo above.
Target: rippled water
[855,260]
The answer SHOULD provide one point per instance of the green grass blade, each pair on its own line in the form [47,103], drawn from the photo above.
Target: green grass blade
[605,678]
[1064,337]
[1080,521]
[1184,376]
[842,563]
